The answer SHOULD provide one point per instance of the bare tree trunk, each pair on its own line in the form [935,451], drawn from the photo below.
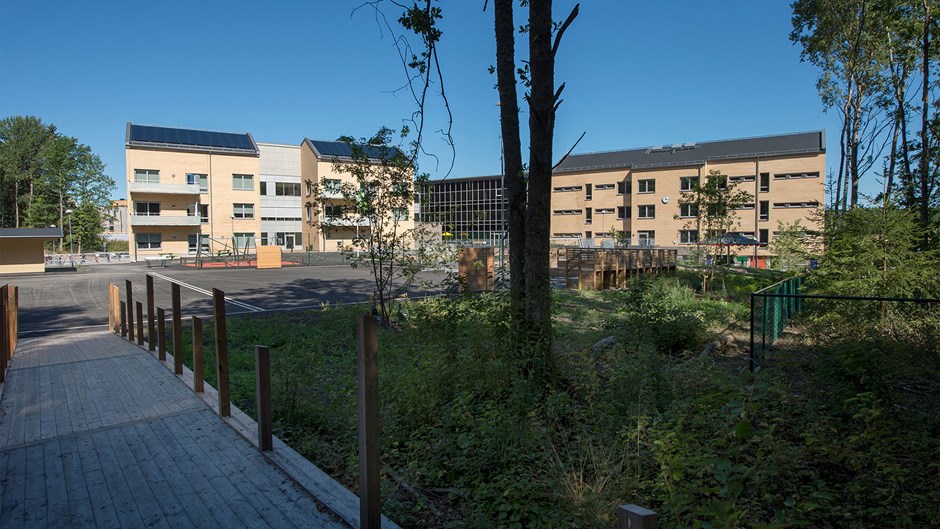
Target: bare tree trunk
[16,202]
[514,181]
[853,163]
[538,309]
[842,154]
[924,130]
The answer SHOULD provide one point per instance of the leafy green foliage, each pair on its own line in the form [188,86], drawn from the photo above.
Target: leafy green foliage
[842,436]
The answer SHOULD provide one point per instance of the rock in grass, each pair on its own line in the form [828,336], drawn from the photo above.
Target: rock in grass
[606,342]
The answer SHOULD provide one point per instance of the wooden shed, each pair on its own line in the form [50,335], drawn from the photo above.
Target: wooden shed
[21,249]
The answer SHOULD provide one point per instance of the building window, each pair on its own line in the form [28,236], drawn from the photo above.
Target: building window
[646,211]
[601,187]
[203,212]
[778,205]
[264,238]
[148,209]
[646,186]
[646,237]
[688,210]
[333,211]
[201,180]
[243,211]
[764,213]
[565,189]
[567,212]
[622,212]
[588,235]
[740,179]
[400,213]
[688,236]
[309,210]
[286,189]
[243,182]
[147,176]
[763,236]
[688,183]
[588,217]
[147,241]
[243,240]
[721,181]
[588,192]
[192,243]
[745,206]
[764,182]
[793,176]
[604,211]
[623,188]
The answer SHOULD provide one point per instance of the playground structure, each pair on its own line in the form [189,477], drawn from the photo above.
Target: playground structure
[602,268]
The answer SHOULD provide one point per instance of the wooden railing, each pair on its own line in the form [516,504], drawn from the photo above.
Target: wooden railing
[9,325]
[600,268]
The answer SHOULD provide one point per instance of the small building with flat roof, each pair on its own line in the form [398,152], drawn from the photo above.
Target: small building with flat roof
[22,249]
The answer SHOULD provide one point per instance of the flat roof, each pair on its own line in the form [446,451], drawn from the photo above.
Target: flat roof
[190,139]
[697,153]
[30,233]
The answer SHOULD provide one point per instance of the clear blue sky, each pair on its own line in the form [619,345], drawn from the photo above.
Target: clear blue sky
[637,73]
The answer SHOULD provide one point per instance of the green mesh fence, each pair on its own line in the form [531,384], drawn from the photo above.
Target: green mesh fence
[770,315]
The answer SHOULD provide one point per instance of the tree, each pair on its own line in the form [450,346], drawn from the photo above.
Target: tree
[713,207]
[373,207]
[789,247]
[22,140]
[528,195]
[839,37]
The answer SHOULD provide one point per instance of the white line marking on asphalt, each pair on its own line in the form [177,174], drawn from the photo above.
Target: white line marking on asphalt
[235,302]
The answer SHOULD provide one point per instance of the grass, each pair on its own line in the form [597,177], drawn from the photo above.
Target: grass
[813,441]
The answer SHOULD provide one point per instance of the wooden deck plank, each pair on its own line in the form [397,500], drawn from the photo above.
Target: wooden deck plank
[193,477]
[80,506]
[142,490]
[102,505]
[14,484]
[119,489]
[57,498]
[35,500]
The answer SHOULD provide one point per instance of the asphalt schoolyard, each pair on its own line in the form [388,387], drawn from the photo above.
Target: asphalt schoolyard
[76,301]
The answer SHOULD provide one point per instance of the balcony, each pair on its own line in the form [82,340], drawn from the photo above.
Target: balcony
[164,220]
[163,189]
[344,222]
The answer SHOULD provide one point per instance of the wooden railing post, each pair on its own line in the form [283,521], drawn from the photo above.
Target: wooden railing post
[177,331]
[13,315]
[151,325]
[263,397]
[370,503]
[4,317]
[198,368]
[635,517]
[161,335]
[111,321]
[221,352]
[130,309]
[140,324]
[123,319]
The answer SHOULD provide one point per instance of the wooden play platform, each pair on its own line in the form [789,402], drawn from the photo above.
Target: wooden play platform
[600,268]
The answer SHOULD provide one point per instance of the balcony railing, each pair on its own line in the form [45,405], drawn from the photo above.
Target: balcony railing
[163,189]
[344,221]
[164,220]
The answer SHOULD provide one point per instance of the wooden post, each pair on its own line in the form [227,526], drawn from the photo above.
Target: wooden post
[130,309]
[151,325]
[370,503]
[198,368]
[221,352]
[161,335]
[123,319]
[111,321]
[13,312]
[3,333]
[635,517]
[140,324]
[263,397]
[177,331]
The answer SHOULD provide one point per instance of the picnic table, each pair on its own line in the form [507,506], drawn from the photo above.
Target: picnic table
[156,261]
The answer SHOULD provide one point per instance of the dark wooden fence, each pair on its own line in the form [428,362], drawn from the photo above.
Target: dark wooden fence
[9,325]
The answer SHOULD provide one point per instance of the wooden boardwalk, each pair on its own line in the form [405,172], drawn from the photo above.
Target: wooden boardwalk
[94,432]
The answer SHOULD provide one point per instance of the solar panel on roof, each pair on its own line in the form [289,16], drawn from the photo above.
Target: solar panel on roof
[172,136]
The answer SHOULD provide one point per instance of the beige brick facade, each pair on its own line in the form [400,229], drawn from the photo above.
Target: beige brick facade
[643,200]
[166,212]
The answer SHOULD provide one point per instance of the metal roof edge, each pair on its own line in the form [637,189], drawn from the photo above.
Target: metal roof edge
[192,148]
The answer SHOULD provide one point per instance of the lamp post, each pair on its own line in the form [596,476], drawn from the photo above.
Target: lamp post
[71,253]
